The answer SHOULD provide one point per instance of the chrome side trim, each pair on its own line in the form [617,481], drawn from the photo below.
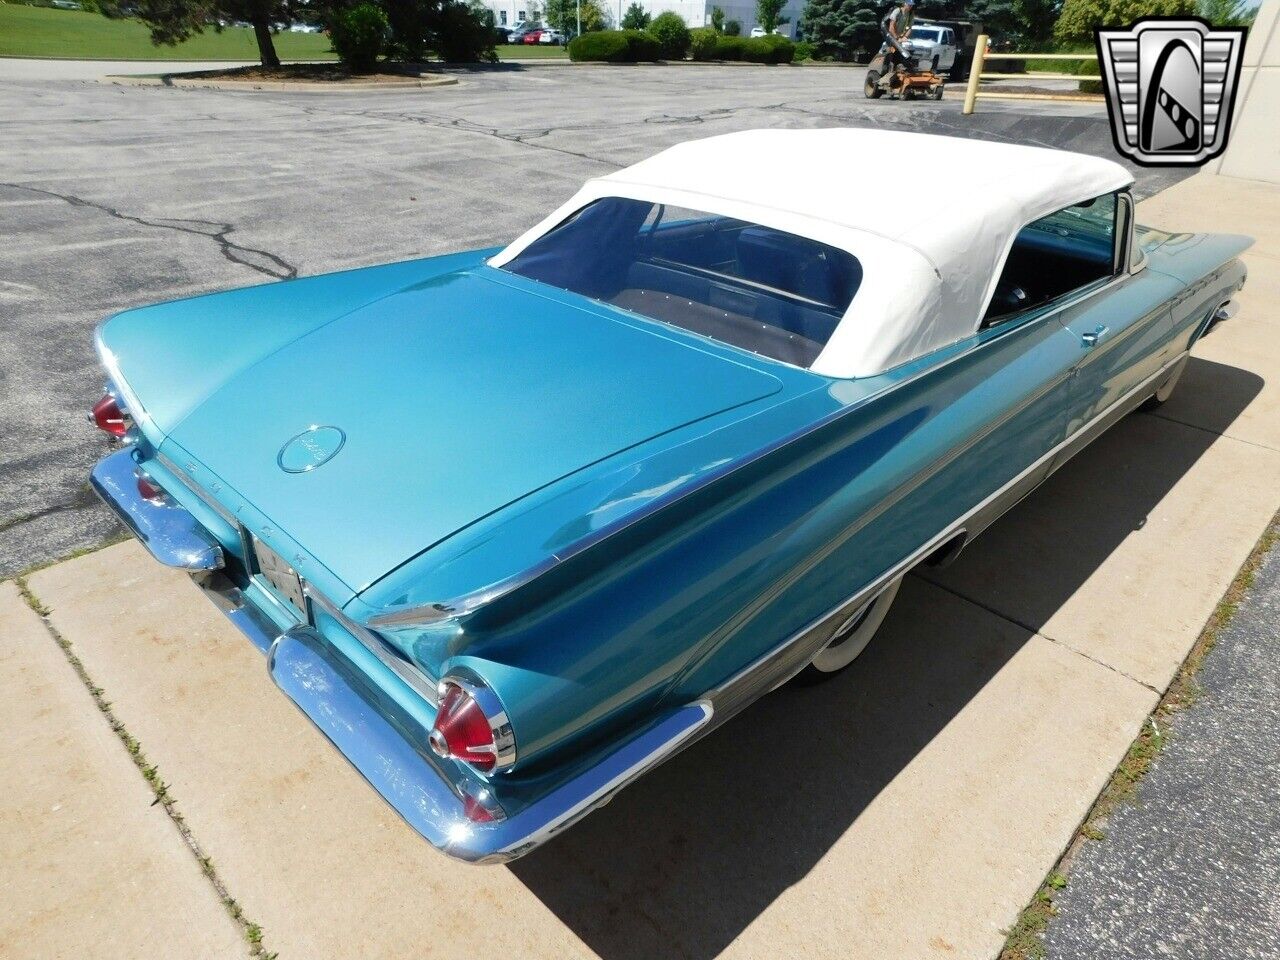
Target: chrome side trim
[792,654]
[167,529]
[430,793]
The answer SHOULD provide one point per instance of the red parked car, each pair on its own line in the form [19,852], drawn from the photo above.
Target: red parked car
[532,36]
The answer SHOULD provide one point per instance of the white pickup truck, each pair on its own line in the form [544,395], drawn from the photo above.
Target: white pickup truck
[935,45]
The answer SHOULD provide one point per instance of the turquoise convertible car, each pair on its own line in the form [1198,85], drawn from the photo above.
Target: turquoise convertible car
[515,525]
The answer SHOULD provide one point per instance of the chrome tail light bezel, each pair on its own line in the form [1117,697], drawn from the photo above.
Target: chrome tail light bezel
[503,747]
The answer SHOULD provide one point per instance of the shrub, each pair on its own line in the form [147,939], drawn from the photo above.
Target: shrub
[465,34]
[732,28]
[1089,68]
[804,51]
[607,46]
[730,48]
[781,49]
[613,46]
[641,46]
[702,43]
[672,35]
[358,35]
[771,49]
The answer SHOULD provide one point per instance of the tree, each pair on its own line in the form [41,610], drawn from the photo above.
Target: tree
[563,15]
[358,35]
[769,14]
[717,20]
[672,34]
[841,29]
[456,30]
[635,18]
[732,28]
[1227,13]
[173,21]
[1079,17]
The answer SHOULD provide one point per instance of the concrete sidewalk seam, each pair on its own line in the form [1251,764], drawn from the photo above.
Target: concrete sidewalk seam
[1217,433]
[1038,633]
[251,931]
[1025,939]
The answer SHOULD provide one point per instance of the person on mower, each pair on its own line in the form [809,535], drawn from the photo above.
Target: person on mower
[895,26]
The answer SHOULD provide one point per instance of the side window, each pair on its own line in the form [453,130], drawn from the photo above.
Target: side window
[1058,255]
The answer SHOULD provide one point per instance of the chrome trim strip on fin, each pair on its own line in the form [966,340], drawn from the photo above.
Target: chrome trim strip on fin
[421,684]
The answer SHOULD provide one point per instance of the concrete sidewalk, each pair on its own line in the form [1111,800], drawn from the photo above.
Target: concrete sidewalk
[89,867]
[941,779]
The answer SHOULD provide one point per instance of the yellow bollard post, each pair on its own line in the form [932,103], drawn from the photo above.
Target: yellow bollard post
[975,72]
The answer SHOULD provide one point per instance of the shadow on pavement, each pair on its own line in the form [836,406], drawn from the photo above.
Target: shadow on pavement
[681,862]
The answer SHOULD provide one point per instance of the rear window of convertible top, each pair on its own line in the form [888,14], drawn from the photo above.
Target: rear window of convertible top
[764,290]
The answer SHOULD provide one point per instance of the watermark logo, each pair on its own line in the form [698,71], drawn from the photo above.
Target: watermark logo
[1171,85]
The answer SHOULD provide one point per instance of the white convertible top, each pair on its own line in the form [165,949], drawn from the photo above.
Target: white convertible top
[931,219]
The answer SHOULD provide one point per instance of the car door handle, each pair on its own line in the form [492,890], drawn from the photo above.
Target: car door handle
[1092,339]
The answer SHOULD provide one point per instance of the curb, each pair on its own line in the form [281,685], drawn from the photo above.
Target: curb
[172,80]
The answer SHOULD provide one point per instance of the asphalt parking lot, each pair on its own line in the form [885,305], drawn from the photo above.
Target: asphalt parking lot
[114,196]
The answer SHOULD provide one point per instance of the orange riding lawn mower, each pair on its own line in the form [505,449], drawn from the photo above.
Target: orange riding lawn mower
[906,78]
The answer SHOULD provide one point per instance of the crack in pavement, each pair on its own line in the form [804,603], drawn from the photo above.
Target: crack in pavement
[445,122]
[261,261]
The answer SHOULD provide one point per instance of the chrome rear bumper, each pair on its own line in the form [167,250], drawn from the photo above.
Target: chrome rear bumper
[389,749]
[457,812]
[168,530]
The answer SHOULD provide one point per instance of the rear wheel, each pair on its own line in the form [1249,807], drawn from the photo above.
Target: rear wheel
[871,86]
[850,637]
[1165,390]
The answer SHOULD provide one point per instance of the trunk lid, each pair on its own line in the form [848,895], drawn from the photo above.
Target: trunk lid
[450,399]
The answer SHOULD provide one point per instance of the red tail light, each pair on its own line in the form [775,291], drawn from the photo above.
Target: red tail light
[149,491]
[109,418]
[472,726]
[461,730]
[475,811]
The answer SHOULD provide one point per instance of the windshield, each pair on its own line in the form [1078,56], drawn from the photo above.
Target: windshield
[751,286]
[919,33]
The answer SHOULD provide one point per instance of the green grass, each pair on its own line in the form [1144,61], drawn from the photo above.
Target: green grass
[43,32]
[532,51]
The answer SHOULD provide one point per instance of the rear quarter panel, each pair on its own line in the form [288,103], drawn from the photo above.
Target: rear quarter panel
[675,605]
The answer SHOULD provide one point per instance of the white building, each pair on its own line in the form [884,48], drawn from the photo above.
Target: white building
[696,13]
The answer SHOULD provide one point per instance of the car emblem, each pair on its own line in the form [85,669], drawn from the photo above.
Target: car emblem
[311,448]
[1171,86]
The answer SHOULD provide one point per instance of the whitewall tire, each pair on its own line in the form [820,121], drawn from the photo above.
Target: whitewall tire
[851,637]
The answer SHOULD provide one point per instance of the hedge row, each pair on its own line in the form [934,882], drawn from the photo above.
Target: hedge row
[614,46]
[632,46]
[770,49]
